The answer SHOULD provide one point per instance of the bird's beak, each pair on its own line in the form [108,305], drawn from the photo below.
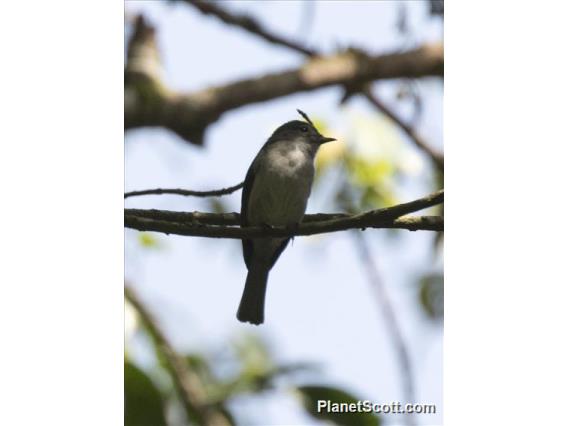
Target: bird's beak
[323,140]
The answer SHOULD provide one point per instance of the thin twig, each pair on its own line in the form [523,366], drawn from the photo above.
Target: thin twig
[204,218]
[187,383]
[389,315]
[248,24]
[434,155]
[186,192]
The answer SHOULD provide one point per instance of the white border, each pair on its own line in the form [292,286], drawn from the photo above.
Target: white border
[61,171]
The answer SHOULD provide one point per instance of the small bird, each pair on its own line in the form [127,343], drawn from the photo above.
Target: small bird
[275,193]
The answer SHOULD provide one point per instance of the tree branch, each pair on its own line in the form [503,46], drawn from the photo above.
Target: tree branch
[388,312]
[248,24]
[254,27]
[234,218]
[434,155]
[149,103]
[186,192]
[187,383]
[412,223]
[225,225]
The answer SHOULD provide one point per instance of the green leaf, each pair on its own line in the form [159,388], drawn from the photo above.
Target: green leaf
[312,394]
[253,353]
[371,182]
[142,400]
[432,295]
[367,172]
[148,240]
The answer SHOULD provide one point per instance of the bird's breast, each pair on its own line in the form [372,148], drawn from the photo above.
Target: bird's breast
[281,186]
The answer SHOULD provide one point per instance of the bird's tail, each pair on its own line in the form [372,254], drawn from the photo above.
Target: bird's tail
[251,308]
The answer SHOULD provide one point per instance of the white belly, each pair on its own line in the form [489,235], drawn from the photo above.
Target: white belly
[281,186]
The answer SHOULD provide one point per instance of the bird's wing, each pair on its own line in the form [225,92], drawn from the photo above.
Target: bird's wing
[247,243]
[247,188]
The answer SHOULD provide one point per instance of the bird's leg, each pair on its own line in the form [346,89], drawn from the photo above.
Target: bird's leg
[293,227]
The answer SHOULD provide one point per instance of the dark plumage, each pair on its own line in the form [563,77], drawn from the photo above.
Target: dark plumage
[275,192]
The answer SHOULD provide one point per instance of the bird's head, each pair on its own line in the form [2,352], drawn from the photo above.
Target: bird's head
[302,130]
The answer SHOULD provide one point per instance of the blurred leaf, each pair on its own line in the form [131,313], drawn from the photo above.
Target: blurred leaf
[295,367]
[432,295]
[246,382]
[149,240]
[200,365]
[253,353]
[439,241]
[216,205]
[131,323]
[371,179]
[329,154]
[378,138]
[372,198]
[255,363]
[371,184]
[370,172]
[142,400]
[312,394]
[256,382]
[375,137]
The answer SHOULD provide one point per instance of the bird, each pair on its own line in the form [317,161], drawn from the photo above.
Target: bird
[275,193]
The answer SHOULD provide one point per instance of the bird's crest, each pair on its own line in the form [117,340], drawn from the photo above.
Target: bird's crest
[305,116]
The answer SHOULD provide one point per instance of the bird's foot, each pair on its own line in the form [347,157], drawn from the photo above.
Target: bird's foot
[293,227]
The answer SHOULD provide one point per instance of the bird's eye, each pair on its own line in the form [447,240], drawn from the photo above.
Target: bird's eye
[304,129]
